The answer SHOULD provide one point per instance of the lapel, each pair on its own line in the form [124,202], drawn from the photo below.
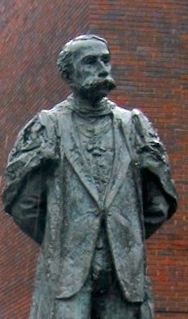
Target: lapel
[122,156]
[71,148]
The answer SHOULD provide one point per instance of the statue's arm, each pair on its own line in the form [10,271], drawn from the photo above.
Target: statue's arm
[29,207]
[30,161]
[159,195]
[156,204]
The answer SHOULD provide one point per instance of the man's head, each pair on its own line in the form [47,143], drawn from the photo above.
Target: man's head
[84,63]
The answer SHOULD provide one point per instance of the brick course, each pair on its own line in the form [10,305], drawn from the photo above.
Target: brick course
[148,41]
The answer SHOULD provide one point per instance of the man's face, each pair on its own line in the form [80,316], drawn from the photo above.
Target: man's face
[91,77]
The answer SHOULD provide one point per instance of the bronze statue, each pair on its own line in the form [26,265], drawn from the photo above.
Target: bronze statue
[89,181]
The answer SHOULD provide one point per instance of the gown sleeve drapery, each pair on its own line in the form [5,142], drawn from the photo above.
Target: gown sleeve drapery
[31,159]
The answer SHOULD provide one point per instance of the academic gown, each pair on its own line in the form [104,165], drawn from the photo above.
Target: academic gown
[64,215]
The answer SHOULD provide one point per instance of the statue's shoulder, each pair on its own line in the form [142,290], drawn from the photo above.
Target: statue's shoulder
[52,115]
[59,108]
[122,113]
[133,115]
[126,112]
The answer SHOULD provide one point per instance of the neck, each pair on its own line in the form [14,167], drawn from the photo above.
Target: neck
[86,108]
[87,103]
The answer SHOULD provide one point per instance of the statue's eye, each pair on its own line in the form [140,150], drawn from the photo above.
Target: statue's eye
[90,60]
[106,59]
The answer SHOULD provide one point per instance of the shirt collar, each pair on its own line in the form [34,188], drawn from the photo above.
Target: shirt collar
[83,108]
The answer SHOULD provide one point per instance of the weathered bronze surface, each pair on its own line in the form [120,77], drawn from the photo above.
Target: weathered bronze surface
[89,181]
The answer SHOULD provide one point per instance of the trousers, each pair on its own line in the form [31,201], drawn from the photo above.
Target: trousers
[100,297]
[89,305]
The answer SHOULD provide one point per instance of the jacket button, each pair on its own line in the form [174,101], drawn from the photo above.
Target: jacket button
[103,212]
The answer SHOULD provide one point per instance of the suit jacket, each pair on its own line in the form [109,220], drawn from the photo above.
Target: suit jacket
[64,214]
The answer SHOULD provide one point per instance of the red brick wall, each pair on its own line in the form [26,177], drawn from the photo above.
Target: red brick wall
[148,41]
[33,32]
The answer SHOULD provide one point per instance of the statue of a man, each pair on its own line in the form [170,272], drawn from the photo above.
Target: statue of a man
[89,181]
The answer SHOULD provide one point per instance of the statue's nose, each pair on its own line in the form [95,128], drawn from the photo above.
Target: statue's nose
[103,70]
[103,74]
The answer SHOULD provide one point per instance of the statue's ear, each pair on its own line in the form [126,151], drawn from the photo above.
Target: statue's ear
[66,76]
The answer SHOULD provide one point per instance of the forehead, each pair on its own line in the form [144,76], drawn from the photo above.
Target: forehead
[85,48]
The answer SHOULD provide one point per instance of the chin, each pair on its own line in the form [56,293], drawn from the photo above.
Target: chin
[102,94]
[95,96]
[97,90]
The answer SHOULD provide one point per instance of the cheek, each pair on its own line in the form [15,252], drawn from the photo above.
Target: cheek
[78,77]
[109,68]
[85,73]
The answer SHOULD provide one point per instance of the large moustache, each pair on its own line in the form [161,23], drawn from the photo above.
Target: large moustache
[99,82]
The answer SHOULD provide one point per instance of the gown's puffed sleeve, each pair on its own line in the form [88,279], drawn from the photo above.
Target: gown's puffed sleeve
[33,155]
[159,195]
